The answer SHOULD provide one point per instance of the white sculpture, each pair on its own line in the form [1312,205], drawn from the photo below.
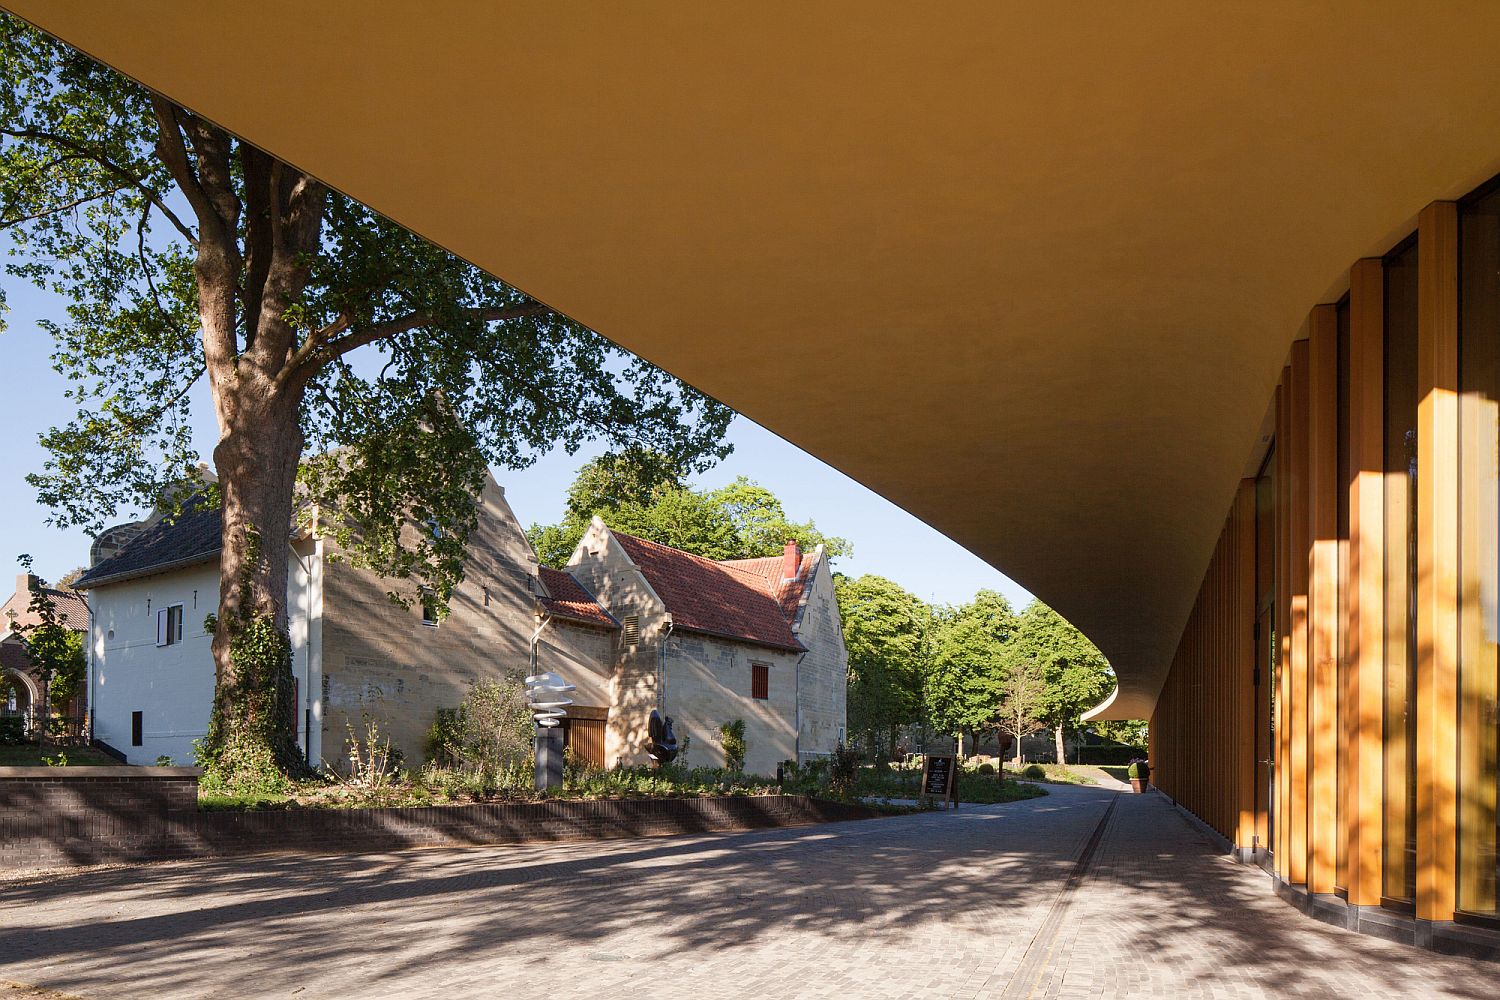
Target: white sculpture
[544,695]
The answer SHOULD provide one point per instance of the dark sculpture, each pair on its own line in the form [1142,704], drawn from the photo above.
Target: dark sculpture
[662,747]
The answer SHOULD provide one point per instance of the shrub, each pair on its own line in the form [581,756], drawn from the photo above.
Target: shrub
[443,736]
[732,739]
[986,768]
[843,770]
[12,730]
[163,761]
[1035,771]
[488,738]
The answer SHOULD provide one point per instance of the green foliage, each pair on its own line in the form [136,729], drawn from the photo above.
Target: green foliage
[489,736]
[1035,772]
[968,671]
[1131,732]
[55,650]
[843,770]
[1077,674]
[642,493]
[986,768]
[732,740]
[163,761]
[321,327]
[61,760]
[12,729]
[240,763]
[445,732]
[249,747]
[886,633]
[973,787]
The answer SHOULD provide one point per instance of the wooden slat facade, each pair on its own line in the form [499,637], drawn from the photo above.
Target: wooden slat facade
[1332,736]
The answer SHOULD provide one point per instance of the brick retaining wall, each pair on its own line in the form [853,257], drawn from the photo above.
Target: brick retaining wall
[58,817]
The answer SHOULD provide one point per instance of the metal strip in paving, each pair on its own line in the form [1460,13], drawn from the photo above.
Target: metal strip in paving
[1033,966]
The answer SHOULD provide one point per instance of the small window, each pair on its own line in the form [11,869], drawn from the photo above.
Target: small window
[760,681]
[429,610]
[135,728]
[169,625]
[631,627]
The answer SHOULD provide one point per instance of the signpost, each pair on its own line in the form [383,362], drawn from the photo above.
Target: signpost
[940,779]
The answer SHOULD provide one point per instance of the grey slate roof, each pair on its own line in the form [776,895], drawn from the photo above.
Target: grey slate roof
[194,536]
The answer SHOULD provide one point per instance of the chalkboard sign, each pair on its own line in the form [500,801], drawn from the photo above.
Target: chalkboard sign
[938,774]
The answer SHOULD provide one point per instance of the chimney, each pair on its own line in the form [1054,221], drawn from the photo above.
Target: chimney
[791,560]
[27,583]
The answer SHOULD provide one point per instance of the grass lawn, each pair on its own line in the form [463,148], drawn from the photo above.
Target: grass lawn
[30,755]
[1057,774]
[980,789]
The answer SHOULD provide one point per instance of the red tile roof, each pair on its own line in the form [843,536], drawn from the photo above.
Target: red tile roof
[723,599]
[71,610]
[787,593]
[570,600]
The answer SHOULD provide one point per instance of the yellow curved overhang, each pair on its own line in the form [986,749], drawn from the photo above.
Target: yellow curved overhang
[1028,270]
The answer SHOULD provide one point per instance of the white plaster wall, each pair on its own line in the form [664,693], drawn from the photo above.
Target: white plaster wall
[172,686]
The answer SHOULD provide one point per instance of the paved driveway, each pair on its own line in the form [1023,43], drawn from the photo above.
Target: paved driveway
[985,902]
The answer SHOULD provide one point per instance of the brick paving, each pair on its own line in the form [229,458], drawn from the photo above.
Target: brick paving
[974,904]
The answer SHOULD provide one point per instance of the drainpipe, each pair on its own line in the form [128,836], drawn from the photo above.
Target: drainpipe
[661,668]
[797,679]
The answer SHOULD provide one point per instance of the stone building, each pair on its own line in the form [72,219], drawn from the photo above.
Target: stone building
[359,656]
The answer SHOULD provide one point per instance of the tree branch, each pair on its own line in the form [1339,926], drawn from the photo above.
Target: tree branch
[313,355]
[90,154]
[54,209]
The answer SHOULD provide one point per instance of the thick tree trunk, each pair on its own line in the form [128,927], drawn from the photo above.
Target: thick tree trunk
[256,460]
[1058,729]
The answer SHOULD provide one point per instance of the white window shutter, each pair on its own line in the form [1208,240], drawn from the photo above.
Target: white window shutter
[161,627]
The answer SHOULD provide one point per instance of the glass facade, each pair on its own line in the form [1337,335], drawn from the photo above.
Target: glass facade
[1400,834]
[1479,550]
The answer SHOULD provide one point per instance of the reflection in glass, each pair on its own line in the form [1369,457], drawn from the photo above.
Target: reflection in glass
[1479,550]
[1400,839]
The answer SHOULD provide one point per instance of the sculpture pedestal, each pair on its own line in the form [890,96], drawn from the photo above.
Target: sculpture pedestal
[548,745]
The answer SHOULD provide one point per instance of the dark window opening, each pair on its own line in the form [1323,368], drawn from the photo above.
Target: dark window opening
[760,681]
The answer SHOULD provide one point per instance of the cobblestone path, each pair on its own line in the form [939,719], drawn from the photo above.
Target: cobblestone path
[989,901]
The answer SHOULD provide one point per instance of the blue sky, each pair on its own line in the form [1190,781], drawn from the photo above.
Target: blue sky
[886,540]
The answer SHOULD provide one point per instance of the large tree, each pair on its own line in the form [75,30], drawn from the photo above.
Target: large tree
[642,494]
[886,630]
[321,329]
[967,667]
[1075,673]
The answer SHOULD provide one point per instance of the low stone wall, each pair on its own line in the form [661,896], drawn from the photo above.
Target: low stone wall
[59,817]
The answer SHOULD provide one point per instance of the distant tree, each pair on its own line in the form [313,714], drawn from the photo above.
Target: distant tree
[642,495]
[66,581]
[1022,704]
[1077,675]
[967,665]
[54,650]
[1131,732]
[886,633]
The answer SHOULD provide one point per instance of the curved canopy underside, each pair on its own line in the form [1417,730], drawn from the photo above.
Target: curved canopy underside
[1043,263]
